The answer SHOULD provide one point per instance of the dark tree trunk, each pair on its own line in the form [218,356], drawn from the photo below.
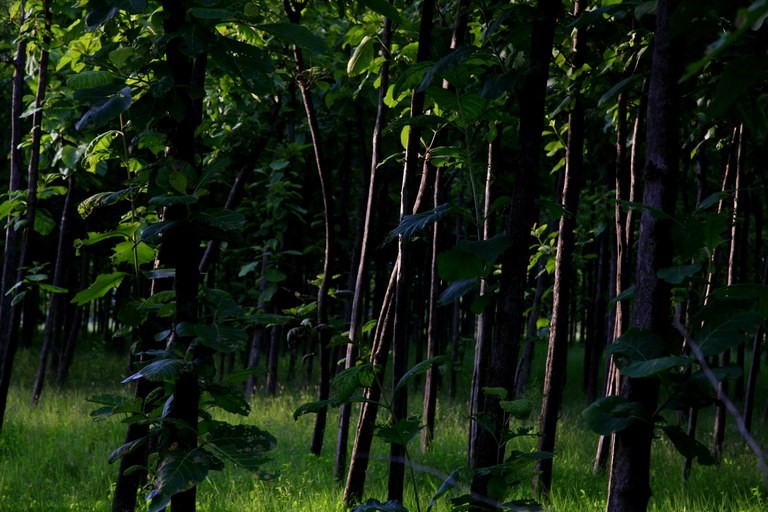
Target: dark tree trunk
[52,332]
[629,486]
[521,215]
[8,345]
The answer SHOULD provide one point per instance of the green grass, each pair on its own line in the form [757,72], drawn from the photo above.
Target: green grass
[53,456]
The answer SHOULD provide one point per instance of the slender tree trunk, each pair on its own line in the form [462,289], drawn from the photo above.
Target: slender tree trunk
[566,242]
[430,386]
[629,486]
[52,334]
[8,345]
[520,218]
[68,353]
[718,433]
[358,465]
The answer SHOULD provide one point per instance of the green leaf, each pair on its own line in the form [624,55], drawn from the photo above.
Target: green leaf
[637,345]
[721,332]
[127,448]
[639,369]
[227,399]
[222,338]
[210,13]
[222,303]
[623,84]
[243,445]
[90,79]
[124,253]
[458,289]
[384,8]
[497,392]
[103,284]
[421,368]
[350,380]
[178,471]
[165,370]
[44,223]
[457,264]
[612,414]
[687,446]
[298,35]
[316,406]
[411,78]
[98,14]
[410,224]
[401,432]
[676,275]
[107,111]
[519,409]
[221,218]
[131,6]
[362,57]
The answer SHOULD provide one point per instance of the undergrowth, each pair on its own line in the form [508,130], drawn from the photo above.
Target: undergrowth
[53,457]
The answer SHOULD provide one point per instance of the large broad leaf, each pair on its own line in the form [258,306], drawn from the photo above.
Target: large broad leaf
[243,445]
[676,275]
[458,289]
[298,35]
[90,79]
[127,448]
[362,57]
[107,111]
[350,380]
[221,303]
[99,288]
[228,399]
[421,368]
[637,345]
[721,332]
[384,8]
[401,432]
[639,369]
[612,414]
[99,12]
[178,471]
[166,370]
[689,447]
[316,406]
[221,218]
[222,338]
[457,264]
[519,409]
[411,224]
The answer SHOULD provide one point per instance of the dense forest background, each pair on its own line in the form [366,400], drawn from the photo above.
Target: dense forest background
[376,196]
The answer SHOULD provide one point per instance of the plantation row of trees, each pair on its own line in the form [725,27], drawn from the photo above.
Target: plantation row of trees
[399,187]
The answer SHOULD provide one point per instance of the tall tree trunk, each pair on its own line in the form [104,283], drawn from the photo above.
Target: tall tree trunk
[8,345]
[718,432]
[293,10]
[403,281]
[521,215]
[629,486]
[557,355]
[51,333]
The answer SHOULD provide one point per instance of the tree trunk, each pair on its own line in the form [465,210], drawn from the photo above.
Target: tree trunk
[8,345]
[557,355]
[52,334]
[629,486]
[521,215]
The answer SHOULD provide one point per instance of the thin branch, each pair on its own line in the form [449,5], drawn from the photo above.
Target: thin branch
[689,341]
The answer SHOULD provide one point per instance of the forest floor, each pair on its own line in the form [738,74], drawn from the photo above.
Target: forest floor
[53,457]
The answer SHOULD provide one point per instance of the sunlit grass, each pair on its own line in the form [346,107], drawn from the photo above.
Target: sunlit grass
[53,457]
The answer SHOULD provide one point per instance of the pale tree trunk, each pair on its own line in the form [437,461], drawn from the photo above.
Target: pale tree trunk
[629,484]
[403,281]
[557,355]
[357,299]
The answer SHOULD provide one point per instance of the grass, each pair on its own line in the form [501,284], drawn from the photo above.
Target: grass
[53,456]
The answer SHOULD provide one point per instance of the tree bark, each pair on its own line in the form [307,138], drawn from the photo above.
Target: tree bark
[10,257]
[520,217]
[557,355]
[629,485]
